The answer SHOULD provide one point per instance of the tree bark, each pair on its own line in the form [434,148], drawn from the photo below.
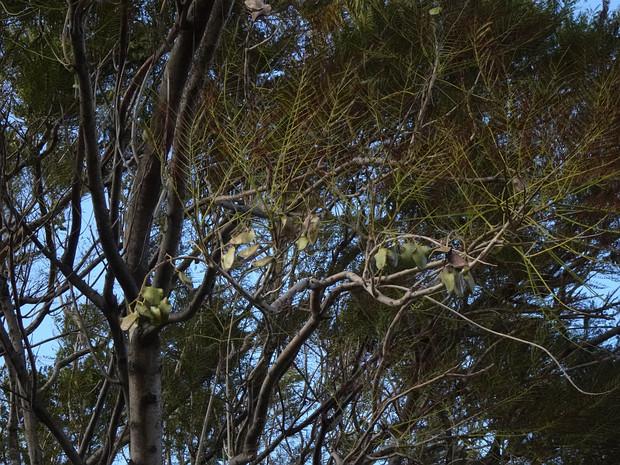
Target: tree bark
[147,186]
[145,402]
[12,426]
[25,393]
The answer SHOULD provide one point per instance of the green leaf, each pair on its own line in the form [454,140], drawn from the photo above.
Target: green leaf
[392,257]
[313,229]
[412,254]
[129,320]
[152,294]
[406,254]
[165,308]
[243,238]
[262,262]
[155,315]
[459,284]
[245,253]
[185,280]
[142,310]
[302,242]
[434,11]
[380,257]
[469,279]
[447,278]
[228,258]
[420,256]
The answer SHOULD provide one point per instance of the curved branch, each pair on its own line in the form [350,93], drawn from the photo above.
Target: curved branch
[61,364]
[533,344]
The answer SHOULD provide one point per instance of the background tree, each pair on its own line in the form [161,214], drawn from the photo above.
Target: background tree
[318,232]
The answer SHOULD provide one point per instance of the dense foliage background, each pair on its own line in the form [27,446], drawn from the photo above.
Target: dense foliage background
[343,232]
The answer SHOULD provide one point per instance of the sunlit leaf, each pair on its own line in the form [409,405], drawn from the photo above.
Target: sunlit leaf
[142,310]
[380,257]
[165,308]
[262,262]
[165,305]
[248,251]
[434,11]
[155,315]
[228,258]
[128,321]
[302,242]
[447,278]
[152,294]
[243,238]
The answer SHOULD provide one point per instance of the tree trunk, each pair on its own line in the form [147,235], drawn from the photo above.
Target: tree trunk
[145,408]
[12,426]
[25,394]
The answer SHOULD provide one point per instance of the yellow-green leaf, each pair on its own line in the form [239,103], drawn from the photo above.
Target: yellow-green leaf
[243,238]
[155,316]
[447,278]
[153,294]
[128,321]
[165,308]
[142,310]
[262,262]
[380,257]
[228,258]
[434,11]
[302,242]
[313,229]
[185,280]
[469,279]
[245,253]
[165,305]
[459,283]
[420,256]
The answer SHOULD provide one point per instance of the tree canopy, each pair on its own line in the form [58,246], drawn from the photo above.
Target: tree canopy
[340,232]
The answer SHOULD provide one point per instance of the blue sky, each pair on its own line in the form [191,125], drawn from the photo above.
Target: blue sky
[596,4]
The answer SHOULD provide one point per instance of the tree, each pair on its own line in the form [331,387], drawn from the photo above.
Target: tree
[321,232]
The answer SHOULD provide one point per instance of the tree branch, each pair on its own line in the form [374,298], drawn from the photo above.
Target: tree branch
[88,126]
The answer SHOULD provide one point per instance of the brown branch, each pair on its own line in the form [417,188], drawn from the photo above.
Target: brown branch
[279,367]
[13,361]
[76,204]
[61,364]
[93,166]
[147,186]
[178,159]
